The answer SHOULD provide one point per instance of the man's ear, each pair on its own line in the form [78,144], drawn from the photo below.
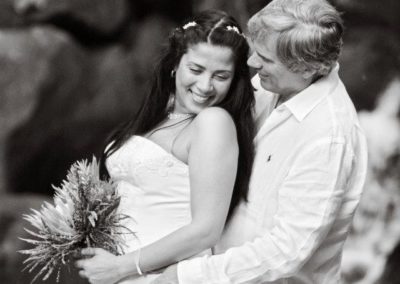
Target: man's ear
[308,74]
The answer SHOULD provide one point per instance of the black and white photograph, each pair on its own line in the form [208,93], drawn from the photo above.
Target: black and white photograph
[200,142]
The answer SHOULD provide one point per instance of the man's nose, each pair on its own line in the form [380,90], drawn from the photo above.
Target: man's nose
[254,61]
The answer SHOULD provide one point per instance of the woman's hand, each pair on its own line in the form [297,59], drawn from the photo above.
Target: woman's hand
[99,266]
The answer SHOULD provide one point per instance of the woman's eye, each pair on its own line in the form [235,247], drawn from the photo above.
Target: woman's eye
[222,77]
[195,71]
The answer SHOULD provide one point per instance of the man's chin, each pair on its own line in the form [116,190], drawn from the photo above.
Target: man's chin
[267,87]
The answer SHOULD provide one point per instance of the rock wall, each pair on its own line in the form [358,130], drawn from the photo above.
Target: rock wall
[70,72]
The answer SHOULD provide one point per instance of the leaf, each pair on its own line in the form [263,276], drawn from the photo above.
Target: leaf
[91,220]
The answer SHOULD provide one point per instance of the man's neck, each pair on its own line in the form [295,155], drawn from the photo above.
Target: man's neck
[283,98]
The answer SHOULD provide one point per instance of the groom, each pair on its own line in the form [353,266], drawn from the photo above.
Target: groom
[310,163]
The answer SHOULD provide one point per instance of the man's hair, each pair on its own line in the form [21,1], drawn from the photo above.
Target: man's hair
[309,33]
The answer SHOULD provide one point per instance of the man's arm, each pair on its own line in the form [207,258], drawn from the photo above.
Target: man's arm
[308,203]
[169,276]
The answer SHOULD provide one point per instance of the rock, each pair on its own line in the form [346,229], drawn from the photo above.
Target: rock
[8,16]
[25,58]
[102,16]
[369,62]
[384,12]
[391,273]
[85,96]
[80,97]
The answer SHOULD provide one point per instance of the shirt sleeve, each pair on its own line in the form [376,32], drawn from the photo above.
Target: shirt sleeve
[308,201]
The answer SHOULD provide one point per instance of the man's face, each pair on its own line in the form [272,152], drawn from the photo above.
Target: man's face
[274,75]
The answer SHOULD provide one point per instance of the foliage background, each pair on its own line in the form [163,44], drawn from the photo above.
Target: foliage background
[70,70]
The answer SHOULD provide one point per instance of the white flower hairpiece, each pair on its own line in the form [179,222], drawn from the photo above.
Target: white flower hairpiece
[188,25]
[235,29]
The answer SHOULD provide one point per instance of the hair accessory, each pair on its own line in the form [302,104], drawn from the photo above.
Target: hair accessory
[188,25]
[235,29]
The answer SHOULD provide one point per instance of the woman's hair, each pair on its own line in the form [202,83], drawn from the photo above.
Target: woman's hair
[309,33]
[216,28]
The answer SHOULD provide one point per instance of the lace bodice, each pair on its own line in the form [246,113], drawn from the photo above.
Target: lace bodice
[154,186]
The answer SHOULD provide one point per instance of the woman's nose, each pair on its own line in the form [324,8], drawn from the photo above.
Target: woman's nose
[205,84]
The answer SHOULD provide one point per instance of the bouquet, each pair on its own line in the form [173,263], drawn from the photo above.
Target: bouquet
[84,214]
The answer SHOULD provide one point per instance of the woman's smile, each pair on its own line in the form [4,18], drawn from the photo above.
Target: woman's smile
[200,98]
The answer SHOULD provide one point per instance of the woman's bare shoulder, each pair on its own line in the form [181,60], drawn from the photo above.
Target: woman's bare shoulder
[216,123]
[214,117]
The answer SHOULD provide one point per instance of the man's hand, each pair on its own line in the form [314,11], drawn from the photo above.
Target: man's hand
[169,276]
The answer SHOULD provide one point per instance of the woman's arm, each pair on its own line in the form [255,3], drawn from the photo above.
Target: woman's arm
[213,159]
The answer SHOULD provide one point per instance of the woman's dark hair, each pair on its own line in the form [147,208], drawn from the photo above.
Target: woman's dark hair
[217,28]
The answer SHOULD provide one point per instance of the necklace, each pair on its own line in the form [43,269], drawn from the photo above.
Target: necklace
[173,115]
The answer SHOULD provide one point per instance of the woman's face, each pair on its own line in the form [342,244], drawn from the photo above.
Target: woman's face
[203,77]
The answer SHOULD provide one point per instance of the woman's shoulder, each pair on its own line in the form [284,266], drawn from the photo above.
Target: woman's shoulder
[215,121]
[214,114]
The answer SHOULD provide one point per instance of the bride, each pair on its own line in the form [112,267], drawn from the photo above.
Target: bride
[183,164]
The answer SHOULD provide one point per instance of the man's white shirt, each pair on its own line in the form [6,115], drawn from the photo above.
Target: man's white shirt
[308,175]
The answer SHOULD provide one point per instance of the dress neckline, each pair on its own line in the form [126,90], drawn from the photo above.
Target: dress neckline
[161,148]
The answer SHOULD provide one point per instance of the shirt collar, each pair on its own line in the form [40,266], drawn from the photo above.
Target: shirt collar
[304,102]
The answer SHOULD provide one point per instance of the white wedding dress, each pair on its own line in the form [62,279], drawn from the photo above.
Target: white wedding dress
[155,193]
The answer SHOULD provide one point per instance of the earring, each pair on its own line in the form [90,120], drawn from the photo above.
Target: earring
[171,102]
[173,73]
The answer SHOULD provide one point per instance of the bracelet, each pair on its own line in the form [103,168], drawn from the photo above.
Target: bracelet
[139,271]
